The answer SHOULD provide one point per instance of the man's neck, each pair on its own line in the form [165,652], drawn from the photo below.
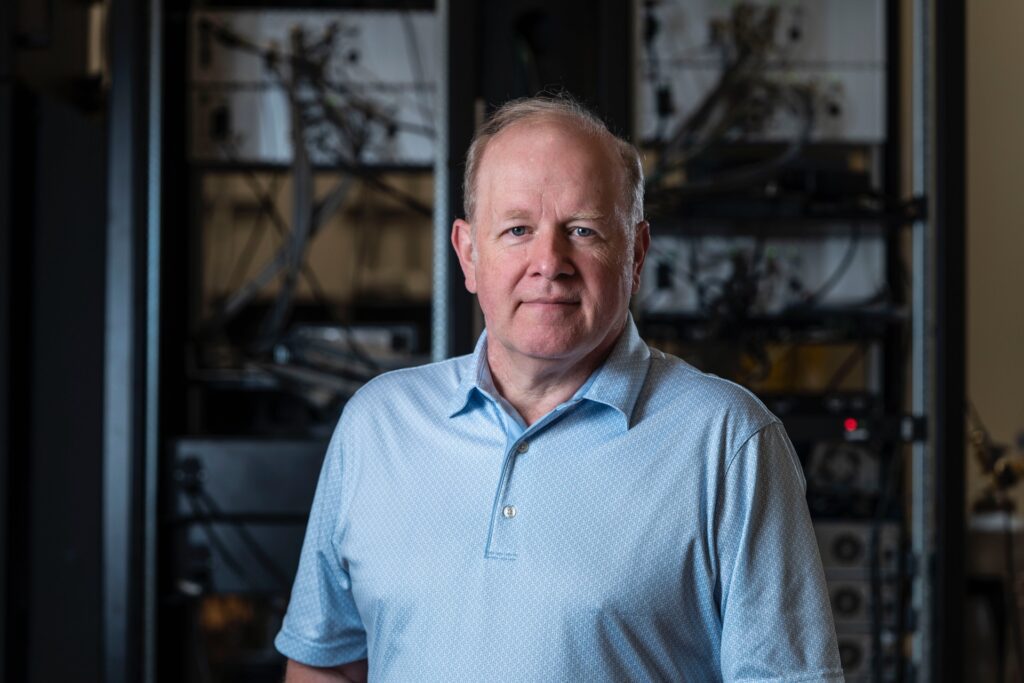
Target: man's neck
[535,386]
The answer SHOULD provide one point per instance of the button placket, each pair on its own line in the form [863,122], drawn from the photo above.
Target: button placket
[501,541]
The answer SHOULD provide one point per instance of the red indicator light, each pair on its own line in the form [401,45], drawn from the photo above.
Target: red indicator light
[850,424]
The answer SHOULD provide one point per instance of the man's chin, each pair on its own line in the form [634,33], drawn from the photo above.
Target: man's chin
[554,348]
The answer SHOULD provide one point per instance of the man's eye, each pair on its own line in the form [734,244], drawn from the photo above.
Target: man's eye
[517,231]
[580,231]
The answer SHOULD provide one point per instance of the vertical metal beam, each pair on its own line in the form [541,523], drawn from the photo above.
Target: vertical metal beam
[125,372]
[439,334]
[453,307]
[152,404]
[939,338]
[948,190]
[923,520]
[6,226]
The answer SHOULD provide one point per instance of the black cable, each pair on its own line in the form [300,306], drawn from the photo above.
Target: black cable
[844,369]
[245,257]
[215,541]
[833,279]
[267,204]
[249,540]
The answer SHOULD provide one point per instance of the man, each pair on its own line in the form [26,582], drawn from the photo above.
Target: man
[565,503]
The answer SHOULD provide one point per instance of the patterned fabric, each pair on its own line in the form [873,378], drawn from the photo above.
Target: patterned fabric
[653,527]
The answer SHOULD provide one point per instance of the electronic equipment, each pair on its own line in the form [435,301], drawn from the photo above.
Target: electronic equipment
[239,511]
[385,63]
[845,548]
[852,603]
[857,656]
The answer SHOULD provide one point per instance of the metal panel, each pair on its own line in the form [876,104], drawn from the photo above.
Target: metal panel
[240,511]
[261,478]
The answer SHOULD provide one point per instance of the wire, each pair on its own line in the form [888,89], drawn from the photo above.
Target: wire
[250,541]
[833,279]
[268,205]
[216,543]
[844,369]
[417,63]
[245,257]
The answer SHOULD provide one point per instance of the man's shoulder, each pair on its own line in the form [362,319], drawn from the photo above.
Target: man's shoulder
[682,389]
[422,386]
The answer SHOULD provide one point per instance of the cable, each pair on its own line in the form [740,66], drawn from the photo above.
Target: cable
[417,62]
[267,204]
[254,547]
[844,369]
[245,257]
[833,279]
[216,543]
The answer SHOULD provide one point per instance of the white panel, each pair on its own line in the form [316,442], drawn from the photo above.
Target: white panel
[386,70]
[836,46]
[812,262]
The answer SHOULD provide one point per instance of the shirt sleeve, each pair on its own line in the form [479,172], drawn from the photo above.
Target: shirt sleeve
[776,619]
[322,626]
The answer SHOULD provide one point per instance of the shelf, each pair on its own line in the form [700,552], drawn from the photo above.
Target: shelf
[812,325]
[773,217]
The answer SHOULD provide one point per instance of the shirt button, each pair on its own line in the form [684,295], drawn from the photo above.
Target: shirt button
[522,447]
[509,511]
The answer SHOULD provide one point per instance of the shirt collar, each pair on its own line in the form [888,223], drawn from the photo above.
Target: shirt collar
[471,383]
[617,383]
[619,380]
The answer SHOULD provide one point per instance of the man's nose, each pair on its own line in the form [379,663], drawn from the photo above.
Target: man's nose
[550,255]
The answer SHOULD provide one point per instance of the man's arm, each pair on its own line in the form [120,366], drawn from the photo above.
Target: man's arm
[353,672]
[776,615]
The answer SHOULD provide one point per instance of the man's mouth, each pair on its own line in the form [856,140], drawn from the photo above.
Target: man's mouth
[553,302]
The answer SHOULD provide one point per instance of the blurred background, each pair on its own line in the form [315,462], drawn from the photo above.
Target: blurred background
[219,218]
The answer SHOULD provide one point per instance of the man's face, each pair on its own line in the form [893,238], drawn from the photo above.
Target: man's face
[549,254]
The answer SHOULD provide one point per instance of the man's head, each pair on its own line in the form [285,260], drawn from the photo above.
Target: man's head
[540,108]
[554,237]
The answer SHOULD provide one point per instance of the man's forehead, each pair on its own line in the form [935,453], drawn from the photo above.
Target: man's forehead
[516,212]
[536,134]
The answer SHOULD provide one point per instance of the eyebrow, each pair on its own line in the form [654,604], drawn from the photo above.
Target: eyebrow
[587,216]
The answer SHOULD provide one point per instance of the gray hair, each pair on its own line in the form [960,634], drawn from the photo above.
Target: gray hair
[547,107]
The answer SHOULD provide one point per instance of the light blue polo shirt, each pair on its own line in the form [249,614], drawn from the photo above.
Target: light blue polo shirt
[653,527]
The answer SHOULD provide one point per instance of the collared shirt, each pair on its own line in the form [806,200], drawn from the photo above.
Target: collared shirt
[652,527]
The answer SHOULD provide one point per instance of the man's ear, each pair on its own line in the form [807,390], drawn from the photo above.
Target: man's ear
[641,243]
[462,240]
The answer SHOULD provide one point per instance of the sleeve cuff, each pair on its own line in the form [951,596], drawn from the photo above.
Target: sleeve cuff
[318,654]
